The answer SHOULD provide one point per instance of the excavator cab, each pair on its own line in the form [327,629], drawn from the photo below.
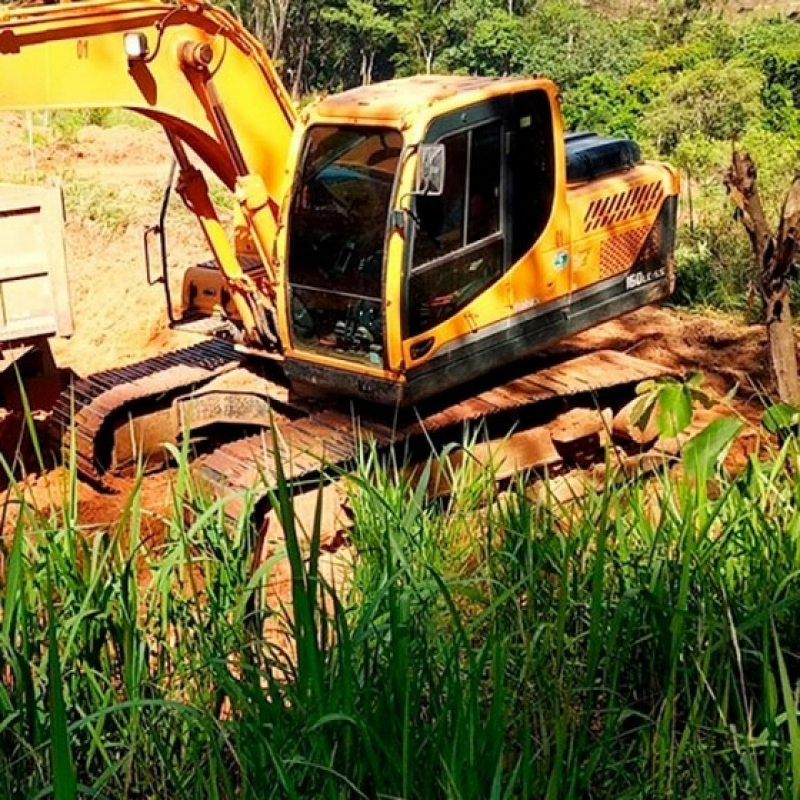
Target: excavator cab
[443,227]
[400,234]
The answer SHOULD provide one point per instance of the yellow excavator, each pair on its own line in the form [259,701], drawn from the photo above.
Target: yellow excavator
[392,243]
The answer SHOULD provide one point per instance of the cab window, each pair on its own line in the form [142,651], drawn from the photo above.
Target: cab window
[458,243]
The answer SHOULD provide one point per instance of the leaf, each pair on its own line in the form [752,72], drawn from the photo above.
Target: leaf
[13,593]
[703,452]
[65,784]
[674,409]
[780,417]
[790,704]
[642,410]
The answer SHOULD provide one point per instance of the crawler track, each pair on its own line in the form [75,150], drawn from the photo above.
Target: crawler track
[322,442]
[93,403]
[329,441]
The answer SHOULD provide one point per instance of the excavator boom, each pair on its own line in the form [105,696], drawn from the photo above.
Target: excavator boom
[173,63]
[74,55]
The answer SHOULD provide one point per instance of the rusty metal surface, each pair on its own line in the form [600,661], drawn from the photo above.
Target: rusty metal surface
[88,406]
[329,442]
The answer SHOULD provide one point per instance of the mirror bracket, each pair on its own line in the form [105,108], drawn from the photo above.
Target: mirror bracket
[397,219]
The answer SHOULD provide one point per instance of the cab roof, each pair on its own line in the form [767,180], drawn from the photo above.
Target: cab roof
[395,100]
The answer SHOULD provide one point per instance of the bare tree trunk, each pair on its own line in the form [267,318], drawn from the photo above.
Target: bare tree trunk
[259,21]
[279,12]
[297,82]
[367,66]
[783,352]
[775,256]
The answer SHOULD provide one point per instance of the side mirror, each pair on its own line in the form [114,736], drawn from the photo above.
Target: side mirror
[430,172]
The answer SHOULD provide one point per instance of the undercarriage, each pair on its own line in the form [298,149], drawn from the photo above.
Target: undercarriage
[246,429]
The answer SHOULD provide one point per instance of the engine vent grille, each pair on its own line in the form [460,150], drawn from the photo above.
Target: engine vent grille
[622,206]
[618,253]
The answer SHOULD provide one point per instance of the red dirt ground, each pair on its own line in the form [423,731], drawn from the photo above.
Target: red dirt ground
[113,181]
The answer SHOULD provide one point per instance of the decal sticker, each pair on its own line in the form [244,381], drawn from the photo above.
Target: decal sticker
[580,260]
[525,305]
[638,279]
[560,260]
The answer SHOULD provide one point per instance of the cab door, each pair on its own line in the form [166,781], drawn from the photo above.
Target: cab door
[531,183]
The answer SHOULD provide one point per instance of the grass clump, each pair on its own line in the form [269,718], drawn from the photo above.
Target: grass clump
[65,125]
[483,648]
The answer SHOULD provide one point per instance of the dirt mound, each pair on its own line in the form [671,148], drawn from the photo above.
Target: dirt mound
[133,147]
[728,352]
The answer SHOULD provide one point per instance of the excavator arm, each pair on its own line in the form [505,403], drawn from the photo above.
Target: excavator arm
[196,71]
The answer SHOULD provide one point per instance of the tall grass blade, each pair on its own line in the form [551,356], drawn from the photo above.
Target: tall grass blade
[30,423]
[65,784]
[13,588]
[790,709]
[703,451]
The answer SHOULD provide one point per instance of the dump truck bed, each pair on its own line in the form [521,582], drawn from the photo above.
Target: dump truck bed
[34,297]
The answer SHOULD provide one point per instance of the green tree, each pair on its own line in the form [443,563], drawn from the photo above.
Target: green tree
[568,42]
[423,28]
[367,28]
[715,99]
[604,104]
[491,43]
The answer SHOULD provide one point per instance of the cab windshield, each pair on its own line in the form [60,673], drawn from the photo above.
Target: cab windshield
[336,240]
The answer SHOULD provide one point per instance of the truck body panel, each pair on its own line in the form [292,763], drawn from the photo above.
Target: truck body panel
[34,295]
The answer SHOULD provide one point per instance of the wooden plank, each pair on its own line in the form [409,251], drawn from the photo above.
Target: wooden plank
[526,388]
[227,463]
[605,374]
[579,434]
[637,367]
[341,443]
[530,449]
[341,432]
[538,392]
[547,385]
[378,430]
[302,464]
[509,399]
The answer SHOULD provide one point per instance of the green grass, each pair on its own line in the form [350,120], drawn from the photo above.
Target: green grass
[481,651]
[65,125]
